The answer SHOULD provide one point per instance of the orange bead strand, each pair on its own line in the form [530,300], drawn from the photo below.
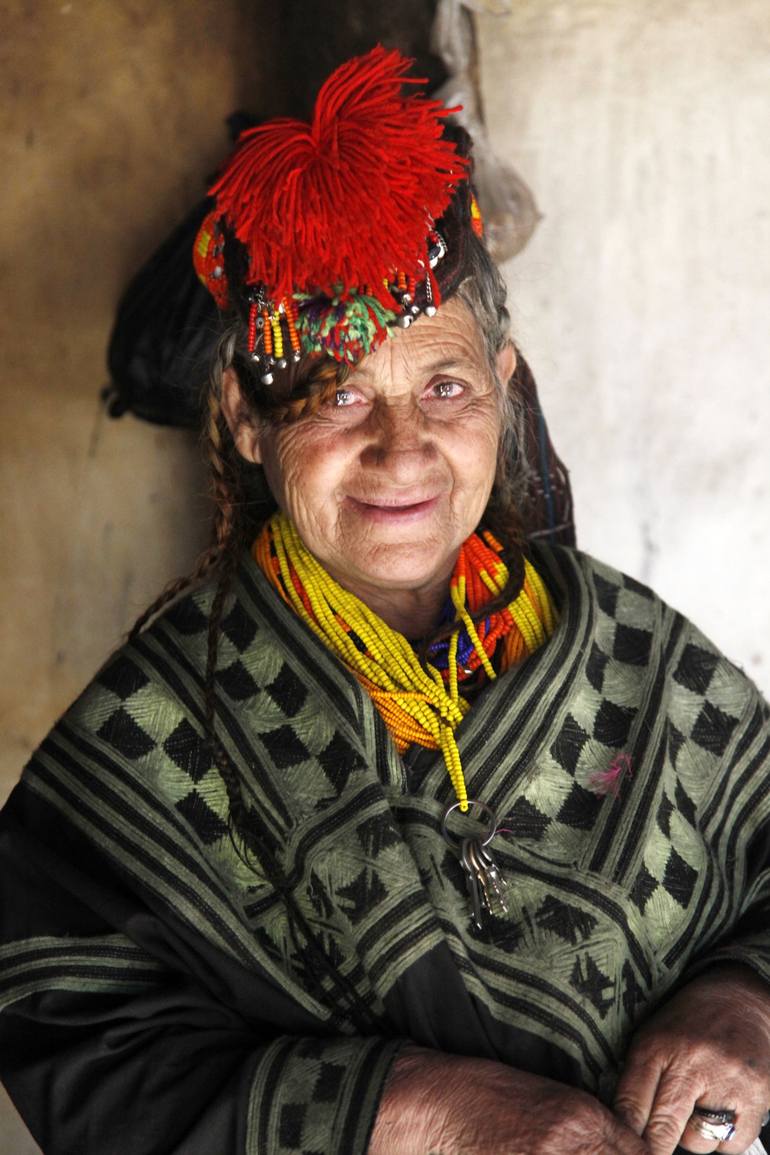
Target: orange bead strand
[419,703]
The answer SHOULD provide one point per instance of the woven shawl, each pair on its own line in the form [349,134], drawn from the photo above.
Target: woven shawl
[159,993]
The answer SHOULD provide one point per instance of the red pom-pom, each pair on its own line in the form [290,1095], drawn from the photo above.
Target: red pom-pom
[350,198]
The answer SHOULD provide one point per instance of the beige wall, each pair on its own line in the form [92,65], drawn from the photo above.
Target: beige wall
[111,116]
[643,299]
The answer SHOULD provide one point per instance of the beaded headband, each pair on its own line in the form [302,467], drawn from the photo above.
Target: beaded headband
[326,235]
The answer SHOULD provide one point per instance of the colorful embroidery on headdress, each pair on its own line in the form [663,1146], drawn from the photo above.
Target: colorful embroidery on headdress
[347,328]
[350,199]
[209,259]
[477,221]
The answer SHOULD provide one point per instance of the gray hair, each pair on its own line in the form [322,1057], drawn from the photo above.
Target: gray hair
[484,292]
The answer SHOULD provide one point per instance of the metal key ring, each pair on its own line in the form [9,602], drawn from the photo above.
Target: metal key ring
[455,842]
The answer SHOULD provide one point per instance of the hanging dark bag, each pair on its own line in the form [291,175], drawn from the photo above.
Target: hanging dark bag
[164,333]
[166,328]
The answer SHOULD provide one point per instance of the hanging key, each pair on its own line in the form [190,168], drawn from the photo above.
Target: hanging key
[492,883]
[486,885]
[489,879]
[472,882]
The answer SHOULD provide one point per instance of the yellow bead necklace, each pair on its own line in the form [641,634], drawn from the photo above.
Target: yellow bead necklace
[418,702]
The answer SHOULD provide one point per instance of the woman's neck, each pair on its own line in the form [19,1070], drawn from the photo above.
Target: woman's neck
[413,613]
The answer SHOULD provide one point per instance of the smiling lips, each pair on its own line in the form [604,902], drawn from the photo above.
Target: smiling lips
[390,510]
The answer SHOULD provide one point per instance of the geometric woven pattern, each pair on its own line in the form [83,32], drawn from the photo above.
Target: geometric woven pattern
[188,750]
[122,676]
[201,817]
[121,731]
[344,923]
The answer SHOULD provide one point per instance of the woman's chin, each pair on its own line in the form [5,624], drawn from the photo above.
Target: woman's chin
[415,565]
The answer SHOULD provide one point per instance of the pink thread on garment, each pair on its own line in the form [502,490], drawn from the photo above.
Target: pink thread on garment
[610,780]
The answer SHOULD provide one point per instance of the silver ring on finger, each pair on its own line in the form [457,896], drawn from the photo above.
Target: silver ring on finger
[715,1114]
[718,1130]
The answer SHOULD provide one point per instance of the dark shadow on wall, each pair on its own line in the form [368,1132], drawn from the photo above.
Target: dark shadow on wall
[314,38]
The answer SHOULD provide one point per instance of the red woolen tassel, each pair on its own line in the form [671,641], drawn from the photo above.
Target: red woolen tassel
[346,199]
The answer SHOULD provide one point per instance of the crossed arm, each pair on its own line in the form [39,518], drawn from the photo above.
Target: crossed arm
[708,1045]
[115,1049]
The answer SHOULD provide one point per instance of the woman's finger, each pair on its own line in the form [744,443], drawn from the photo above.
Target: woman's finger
[673,1123]
[669,1117]
[703,1134]
[636,1092]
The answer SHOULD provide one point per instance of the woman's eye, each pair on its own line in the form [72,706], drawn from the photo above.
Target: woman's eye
[445,390]
[346,398]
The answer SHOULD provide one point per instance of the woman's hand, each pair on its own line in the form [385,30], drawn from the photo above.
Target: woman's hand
[449,1105]
[708,1046]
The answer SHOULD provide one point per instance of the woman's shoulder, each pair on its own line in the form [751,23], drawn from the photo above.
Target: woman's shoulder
[632,628]
[152,688]
[143,714]
[575,573]
[131,761]
[146,715]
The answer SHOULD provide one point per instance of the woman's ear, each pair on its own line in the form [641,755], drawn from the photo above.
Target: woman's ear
[244,428]
[506,362]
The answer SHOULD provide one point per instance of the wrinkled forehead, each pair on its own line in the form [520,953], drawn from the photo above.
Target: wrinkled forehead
[450,340]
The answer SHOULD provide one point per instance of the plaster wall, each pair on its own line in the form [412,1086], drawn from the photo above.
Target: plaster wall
[111,116]
[643,299]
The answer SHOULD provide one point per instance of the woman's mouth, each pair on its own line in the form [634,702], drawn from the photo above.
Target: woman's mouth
[391,510]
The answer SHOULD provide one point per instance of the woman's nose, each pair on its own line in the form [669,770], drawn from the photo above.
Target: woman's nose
[398,432]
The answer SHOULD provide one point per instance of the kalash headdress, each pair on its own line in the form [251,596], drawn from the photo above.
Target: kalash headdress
[325,235]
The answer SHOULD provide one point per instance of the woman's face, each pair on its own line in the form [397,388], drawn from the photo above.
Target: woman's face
[388,478]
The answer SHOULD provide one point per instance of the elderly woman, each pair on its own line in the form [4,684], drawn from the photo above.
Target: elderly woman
[397,832]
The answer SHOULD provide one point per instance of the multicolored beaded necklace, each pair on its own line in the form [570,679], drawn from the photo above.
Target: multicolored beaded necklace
[419,701]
